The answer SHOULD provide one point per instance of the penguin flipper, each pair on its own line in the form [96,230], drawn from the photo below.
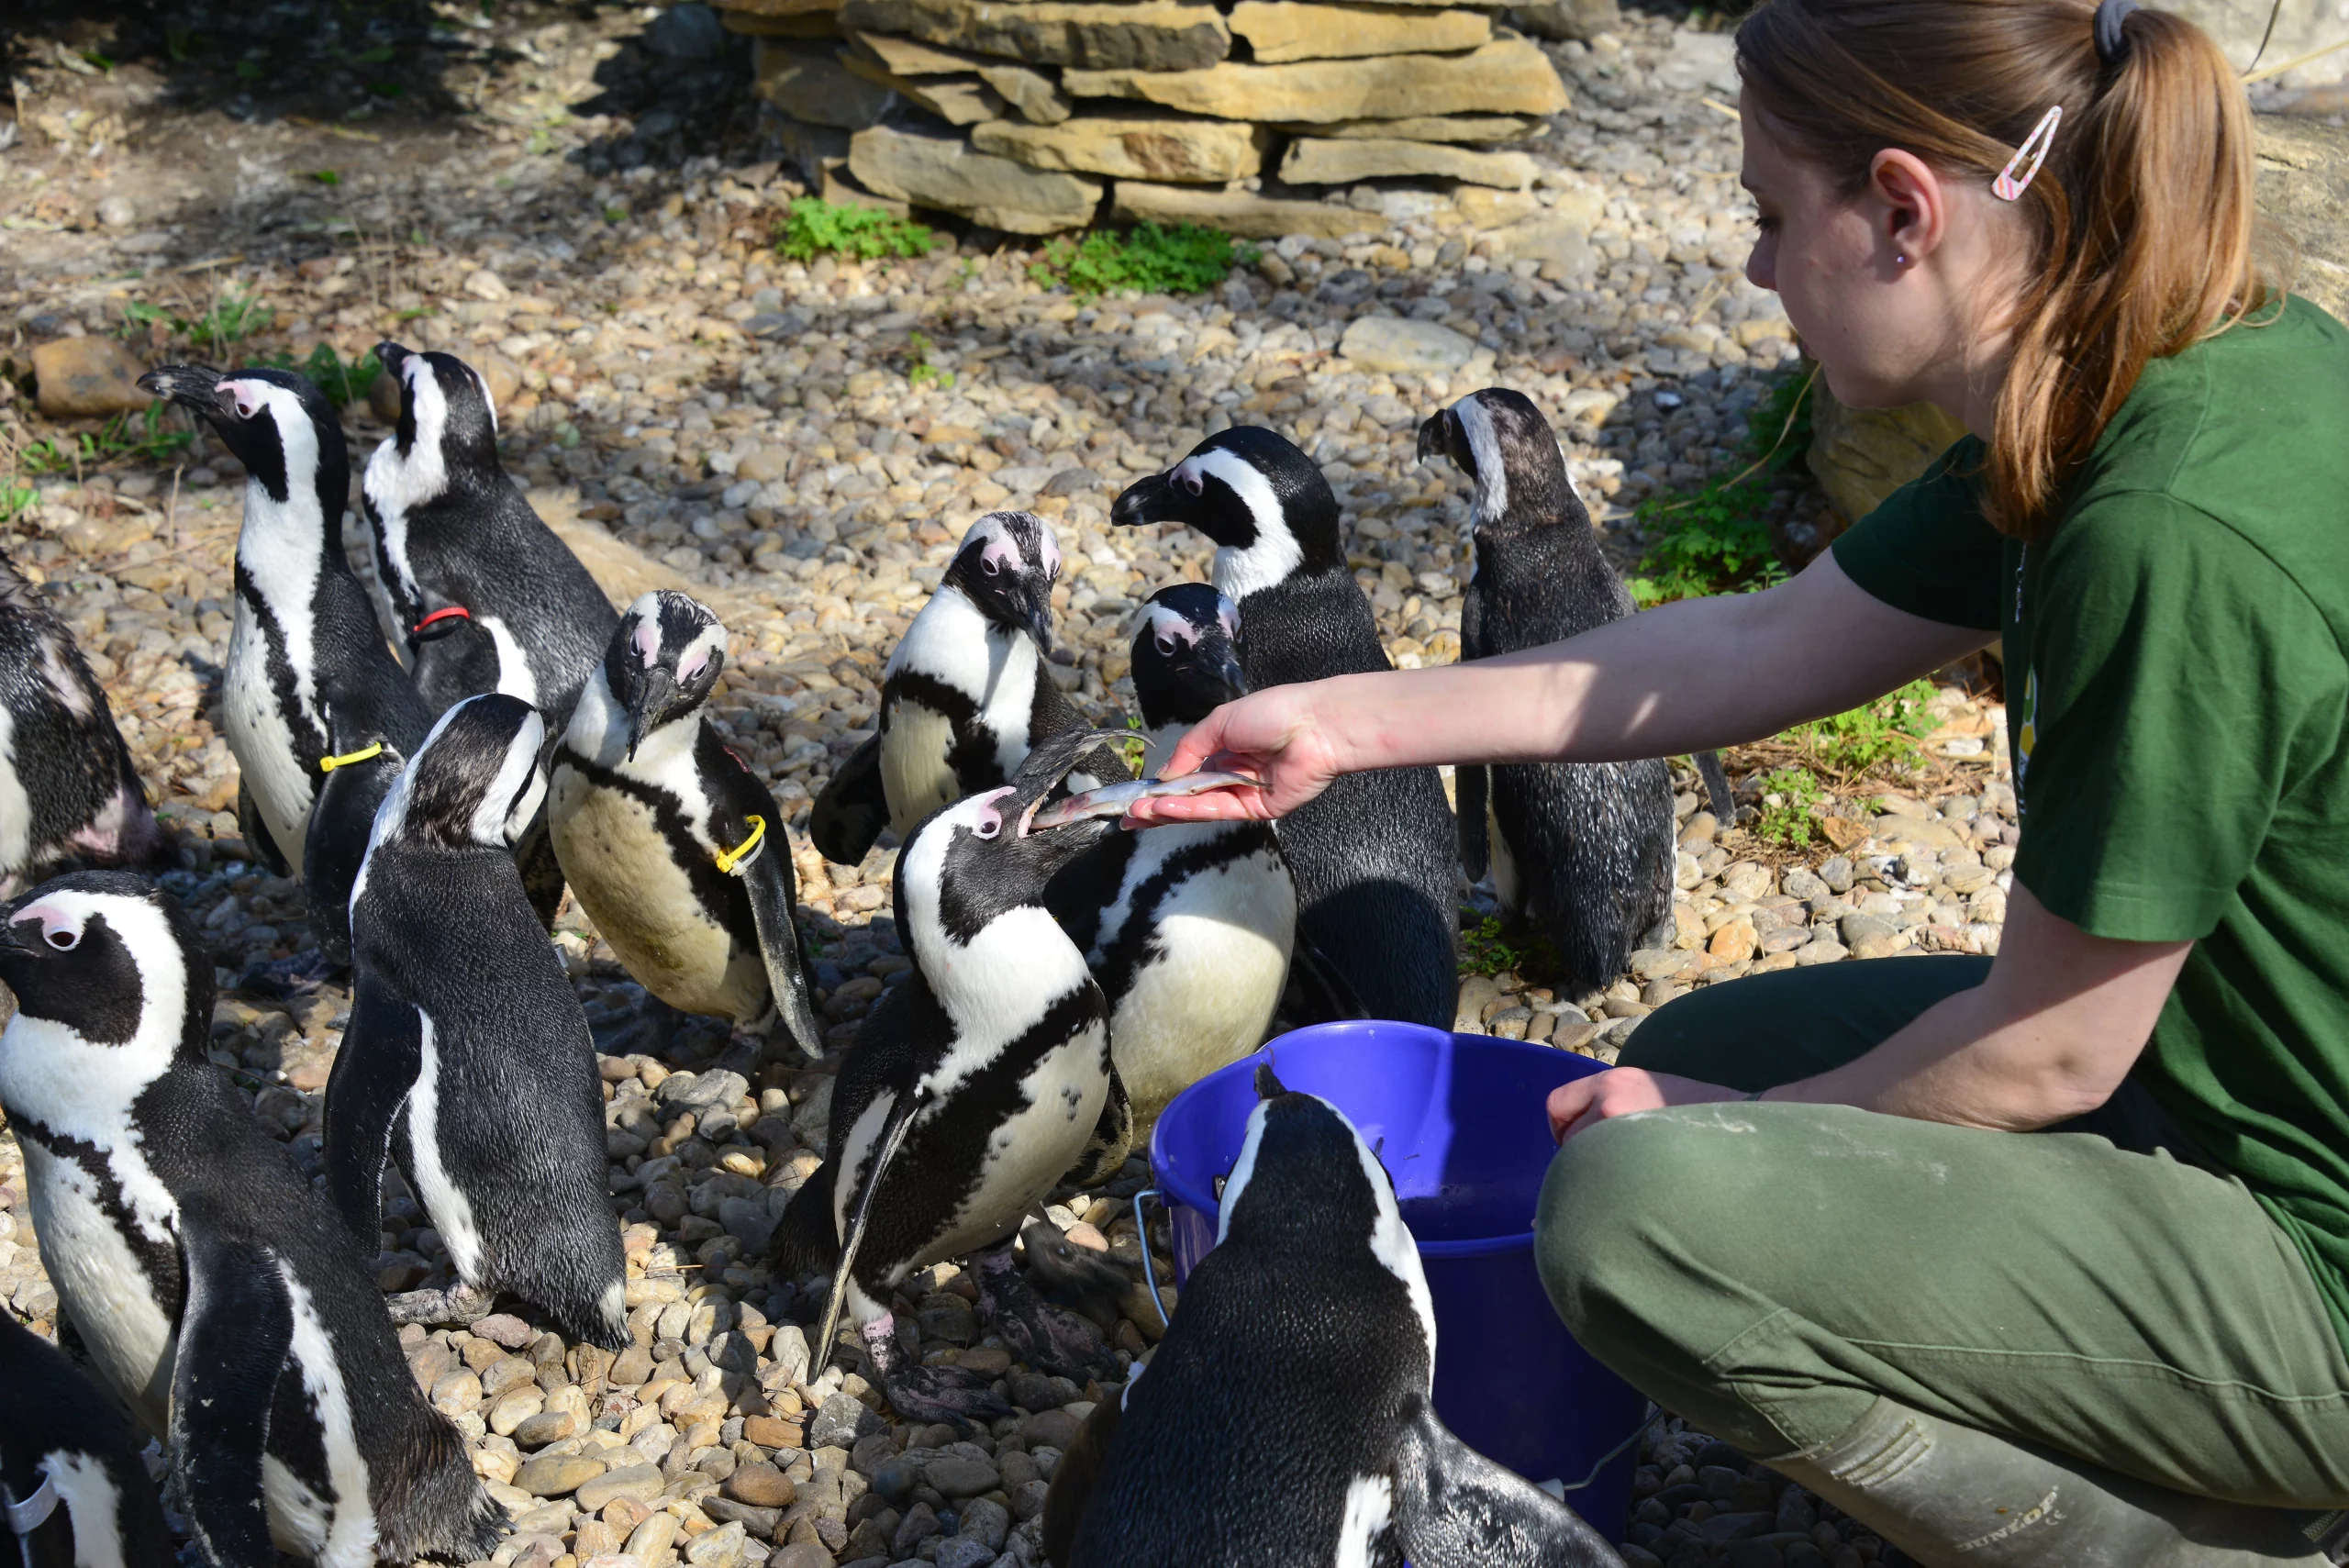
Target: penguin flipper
[253,828]
[848,816]
[774,898]
[235,1332]
[335,844]
[1454,1509]
[884,1150]
[1718,798]
[382,1050]
[1324,983]
[1474,785]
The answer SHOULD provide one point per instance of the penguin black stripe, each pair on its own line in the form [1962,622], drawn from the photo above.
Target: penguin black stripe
[711,886]
[310,737]
[1139,941]
[159,1261]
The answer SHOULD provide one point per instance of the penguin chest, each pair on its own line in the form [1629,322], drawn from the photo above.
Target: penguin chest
[261,735]
[16,804]
[917,774]
[129,1328]
[624,867]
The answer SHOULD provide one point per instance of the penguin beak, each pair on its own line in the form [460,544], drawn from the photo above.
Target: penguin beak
[194,387]
[1144,501]
[1228,676]
[1048,764]
[1036,616]
[1431,442]
[652,703]
[391,356]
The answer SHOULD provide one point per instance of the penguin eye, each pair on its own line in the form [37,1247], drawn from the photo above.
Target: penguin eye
[1167,645]
[990,565]
[63,939]
[988,826]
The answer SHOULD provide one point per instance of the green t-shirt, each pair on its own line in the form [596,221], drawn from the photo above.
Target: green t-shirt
[2178,705]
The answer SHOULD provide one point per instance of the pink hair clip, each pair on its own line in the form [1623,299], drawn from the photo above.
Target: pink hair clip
[2009,187]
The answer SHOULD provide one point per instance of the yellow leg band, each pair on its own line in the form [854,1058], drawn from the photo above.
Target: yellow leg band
[728,858]
[366,754]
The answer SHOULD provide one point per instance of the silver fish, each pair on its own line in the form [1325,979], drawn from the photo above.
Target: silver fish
[1115,800]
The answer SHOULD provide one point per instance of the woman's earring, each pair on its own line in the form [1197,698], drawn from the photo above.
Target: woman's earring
[1900,258]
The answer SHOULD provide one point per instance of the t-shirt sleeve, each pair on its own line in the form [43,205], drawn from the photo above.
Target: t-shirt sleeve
[2181,687]
[1928,550]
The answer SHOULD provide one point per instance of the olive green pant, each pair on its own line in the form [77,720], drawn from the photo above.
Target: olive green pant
[1768,1271]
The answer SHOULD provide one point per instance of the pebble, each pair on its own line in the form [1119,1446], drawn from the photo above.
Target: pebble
[557,1476]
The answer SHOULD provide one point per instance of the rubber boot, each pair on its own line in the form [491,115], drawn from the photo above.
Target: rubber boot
[1952,1497]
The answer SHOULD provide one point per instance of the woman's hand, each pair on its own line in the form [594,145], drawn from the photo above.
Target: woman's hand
[1585,1102]
[1275,735]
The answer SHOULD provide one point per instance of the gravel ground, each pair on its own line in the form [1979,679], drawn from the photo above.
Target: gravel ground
[590,225]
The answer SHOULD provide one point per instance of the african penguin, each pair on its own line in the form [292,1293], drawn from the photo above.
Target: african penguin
[216,1294]
[964,695]
[69,793]
[73,1492]
[1277,1439]
[670,843]
[972,1084]
[467,1055]
[318,712]
[483,596]
[1376,855]
[1187,927]
[1046,1335]
[1583,850]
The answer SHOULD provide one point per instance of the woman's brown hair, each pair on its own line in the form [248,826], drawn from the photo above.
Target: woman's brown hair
[2140,219]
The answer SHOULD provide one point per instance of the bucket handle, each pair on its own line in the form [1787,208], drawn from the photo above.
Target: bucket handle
[1612,1455]
[1150,1275]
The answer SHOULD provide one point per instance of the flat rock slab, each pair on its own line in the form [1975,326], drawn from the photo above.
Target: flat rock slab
[1395,346]
[911,56]
[1152,35]
[1427,128]
[957,100]
[1281,30]
[82,377]
[1145,145]
[1511,76]
[1037,97]
[808,82]
[1238,211]
[1330,161]
[946,173]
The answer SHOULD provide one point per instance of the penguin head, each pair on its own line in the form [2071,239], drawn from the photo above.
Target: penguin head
[1253,493]
[1499,439]
[971,862]
[1007,566]
[477,779]
[112,988]
[1185,656]
[663,660]
[278,423]
[444,404]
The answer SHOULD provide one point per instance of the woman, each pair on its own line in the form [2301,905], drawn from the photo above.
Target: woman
[2119,1342]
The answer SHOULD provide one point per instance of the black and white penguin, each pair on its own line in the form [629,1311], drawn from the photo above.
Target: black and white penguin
[964,696]
[1341,1460]
[974,1084]
[1187,927]
[1584,851]
[316,711]
[1375,856]
[484,597]
[73,1492]
[467,1056]
[217,1295]
[69,794]
[1049,1337]
[670,843]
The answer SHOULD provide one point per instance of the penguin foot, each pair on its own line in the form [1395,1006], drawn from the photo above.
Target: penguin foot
[296,974]
[1051,1339]
[947,1394]
[459,1304]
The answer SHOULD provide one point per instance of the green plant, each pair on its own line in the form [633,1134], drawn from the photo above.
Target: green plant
[814,228]
[1184,259]
[919,371]
[232,320]
[1484,950]
[1717,541]
[344,381]
[326,176]
[126,435]
[1788,797]
[1884,730]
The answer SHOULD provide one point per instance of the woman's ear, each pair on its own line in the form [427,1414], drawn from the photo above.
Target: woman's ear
[1909,206]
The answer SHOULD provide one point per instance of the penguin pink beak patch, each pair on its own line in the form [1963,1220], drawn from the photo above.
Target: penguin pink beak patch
[59,929]
[248,395]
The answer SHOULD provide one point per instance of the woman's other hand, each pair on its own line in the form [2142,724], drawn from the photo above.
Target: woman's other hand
[1587,1101]
[1277,737]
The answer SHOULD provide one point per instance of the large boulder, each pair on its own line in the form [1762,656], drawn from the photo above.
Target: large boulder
[85,377]
[2239,26]
[1144,145]
[2304,190]
[1395,346]
[1136,35]
[1508,76]
[945,173]
[1282,30]
[1317,160]
[1862,455]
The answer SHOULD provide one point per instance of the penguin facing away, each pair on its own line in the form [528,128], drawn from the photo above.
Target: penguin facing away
[972,1084]
[964,696]
[467,1055]
[319,714]
[1583,850]
[73,1492]
[1265,1439]
[670,843]
[1187,927]
[1375,856]
[217,1294]
[69,793]
[483,596]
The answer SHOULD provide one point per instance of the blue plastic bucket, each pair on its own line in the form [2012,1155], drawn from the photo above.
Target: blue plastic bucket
[1467,1143]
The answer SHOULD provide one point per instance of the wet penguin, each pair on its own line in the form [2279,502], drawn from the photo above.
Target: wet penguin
[964,695]
[483,596]
[1305,1436]
[216,1294]
[1187,927]
[318,712]
[972,1084]
[1376,855]
[670,843]
[69,794]
[1584,851]
[73,1492]
[467,1056]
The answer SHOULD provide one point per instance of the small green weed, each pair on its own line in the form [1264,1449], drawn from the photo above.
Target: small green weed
[919,371]
[232,320]
[1884,730]
[126,435]
[344,381]
[1185,259]
[814,228]
[1484,949]
[326,176]
[1788,797]
[1718,542]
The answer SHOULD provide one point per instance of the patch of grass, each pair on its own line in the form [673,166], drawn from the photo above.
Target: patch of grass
[1884,730]
[813,228]
[232,320]
[919,371]
[1717,541]
[344,381]
[1184,259]
[1788,797]
[126,435]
